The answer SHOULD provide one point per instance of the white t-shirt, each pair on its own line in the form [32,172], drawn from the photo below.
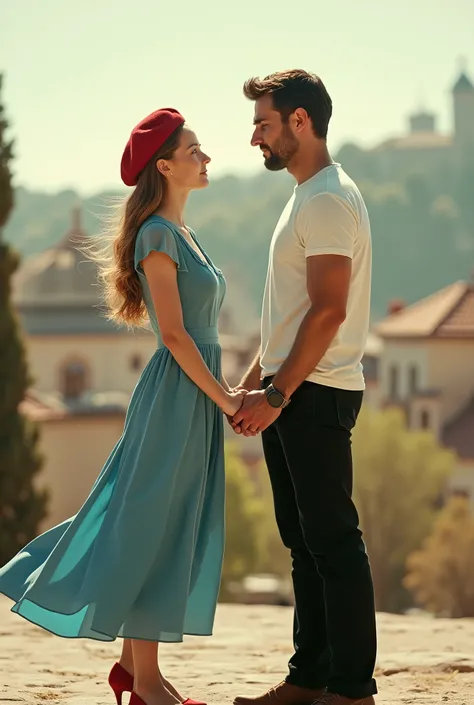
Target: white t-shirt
[325,215]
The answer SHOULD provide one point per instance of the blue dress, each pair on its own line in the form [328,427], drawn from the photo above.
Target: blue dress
[143,556]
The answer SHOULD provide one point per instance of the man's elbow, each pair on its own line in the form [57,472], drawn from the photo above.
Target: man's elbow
[331,317]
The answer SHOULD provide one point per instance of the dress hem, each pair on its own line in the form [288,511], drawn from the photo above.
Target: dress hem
[101,636]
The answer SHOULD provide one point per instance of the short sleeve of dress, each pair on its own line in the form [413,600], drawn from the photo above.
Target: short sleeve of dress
[158,237]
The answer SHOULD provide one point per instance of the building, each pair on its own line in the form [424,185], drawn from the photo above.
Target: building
[427,368]
[75,445]
[74,351]
[371,363]
[424,149]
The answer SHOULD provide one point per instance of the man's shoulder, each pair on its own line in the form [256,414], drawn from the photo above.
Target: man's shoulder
[332,184]
[341,185]
[342,188]
[332,197]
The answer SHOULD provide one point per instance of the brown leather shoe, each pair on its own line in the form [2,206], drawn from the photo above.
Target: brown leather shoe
[328,698]
[283,694]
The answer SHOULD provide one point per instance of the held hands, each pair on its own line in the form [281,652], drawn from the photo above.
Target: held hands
[254,415]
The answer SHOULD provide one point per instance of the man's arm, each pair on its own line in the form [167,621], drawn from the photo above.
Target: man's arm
[328,278]
[251,379]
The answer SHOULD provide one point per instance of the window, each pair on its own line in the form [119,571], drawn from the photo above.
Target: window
[136,363]
[425,421]
[413,379]
[73,379]
[393,381]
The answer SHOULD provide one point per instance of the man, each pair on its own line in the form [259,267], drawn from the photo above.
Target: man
[305,392]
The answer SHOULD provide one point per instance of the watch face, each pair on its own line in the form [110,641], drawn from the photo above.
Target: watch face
[274,399]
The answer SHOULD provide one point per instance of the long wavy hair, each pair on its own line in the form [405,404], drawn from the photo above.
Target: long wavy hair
[115,252]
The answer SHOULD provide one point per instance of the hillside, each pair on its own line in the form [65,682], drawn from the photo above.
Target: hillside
[423,232]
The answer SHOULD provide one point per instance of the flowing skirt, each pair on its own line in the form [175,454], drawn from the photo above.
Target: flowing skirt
[142,558]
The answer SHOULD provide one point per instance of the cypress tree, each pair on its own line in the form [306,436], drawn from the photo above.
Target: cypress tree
[22,505]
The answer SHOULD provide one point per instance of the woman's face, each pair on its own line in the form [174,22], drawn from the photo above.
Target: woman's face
[188,166]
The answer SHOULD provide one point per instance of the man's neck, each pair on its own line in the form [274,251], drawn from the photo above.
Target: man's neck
[309,161]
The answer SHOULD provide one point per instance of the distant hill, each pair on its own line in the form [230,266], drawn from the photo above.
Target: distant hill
[423,234]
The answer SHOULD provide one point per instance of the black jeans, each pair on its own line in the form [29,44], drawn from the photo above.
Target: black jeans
[309,459]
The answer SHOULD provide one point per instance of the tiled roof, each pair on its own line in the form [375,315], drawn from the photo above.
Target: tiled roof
[61,275]
[448,313]
[460,323]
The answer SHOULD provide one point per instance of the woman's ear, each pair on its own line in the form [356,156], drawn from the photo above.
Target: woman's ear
[163,167]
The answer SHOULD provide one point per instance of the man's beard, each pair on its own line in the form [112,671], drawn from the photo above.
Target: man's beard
[283,151]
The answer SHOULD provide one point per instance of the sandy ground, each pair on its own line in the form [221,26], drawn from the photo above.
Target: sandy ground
[421,660]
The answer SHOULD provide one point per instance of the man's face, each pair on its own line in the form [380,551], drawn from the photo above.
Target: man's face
[275,138]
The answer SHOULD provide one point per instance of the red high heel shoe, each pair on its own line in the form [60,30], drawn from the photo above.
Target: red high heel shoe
[121,681]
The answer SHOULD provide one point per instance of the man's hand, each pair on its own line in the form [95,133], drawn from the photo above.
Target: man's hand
[255,414]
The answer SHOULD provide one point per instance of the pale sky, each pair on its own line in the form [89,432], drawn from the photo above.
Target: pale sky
[79,75]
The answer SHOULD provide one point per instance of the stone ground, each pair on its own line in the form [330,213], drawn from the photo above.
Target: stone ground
[421,660]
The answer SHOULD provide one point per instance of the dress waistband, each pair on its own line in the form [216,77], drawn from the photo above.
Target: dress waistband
[206,335]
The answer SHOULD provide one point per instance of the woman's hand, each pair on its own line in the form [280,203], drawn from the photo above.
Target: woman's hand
[233,402]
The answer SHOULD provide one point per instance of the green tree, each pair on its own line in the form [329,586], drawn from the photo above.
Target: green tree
[244,516]
[399,477]
[441,574]
[22,506]
[276,557]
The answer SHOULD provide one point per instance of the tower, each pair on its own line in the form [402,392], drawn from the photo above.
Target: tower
[463,105]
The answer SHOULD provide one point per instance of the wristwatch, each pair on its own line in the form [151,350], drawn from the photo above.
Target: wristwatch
[275,398]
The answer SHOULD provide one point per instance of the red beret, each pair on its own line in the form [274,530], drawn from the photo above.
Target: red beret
[145,140]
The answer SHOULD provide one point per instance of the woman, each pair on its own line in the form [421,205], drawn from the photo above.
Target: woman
[142,558]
